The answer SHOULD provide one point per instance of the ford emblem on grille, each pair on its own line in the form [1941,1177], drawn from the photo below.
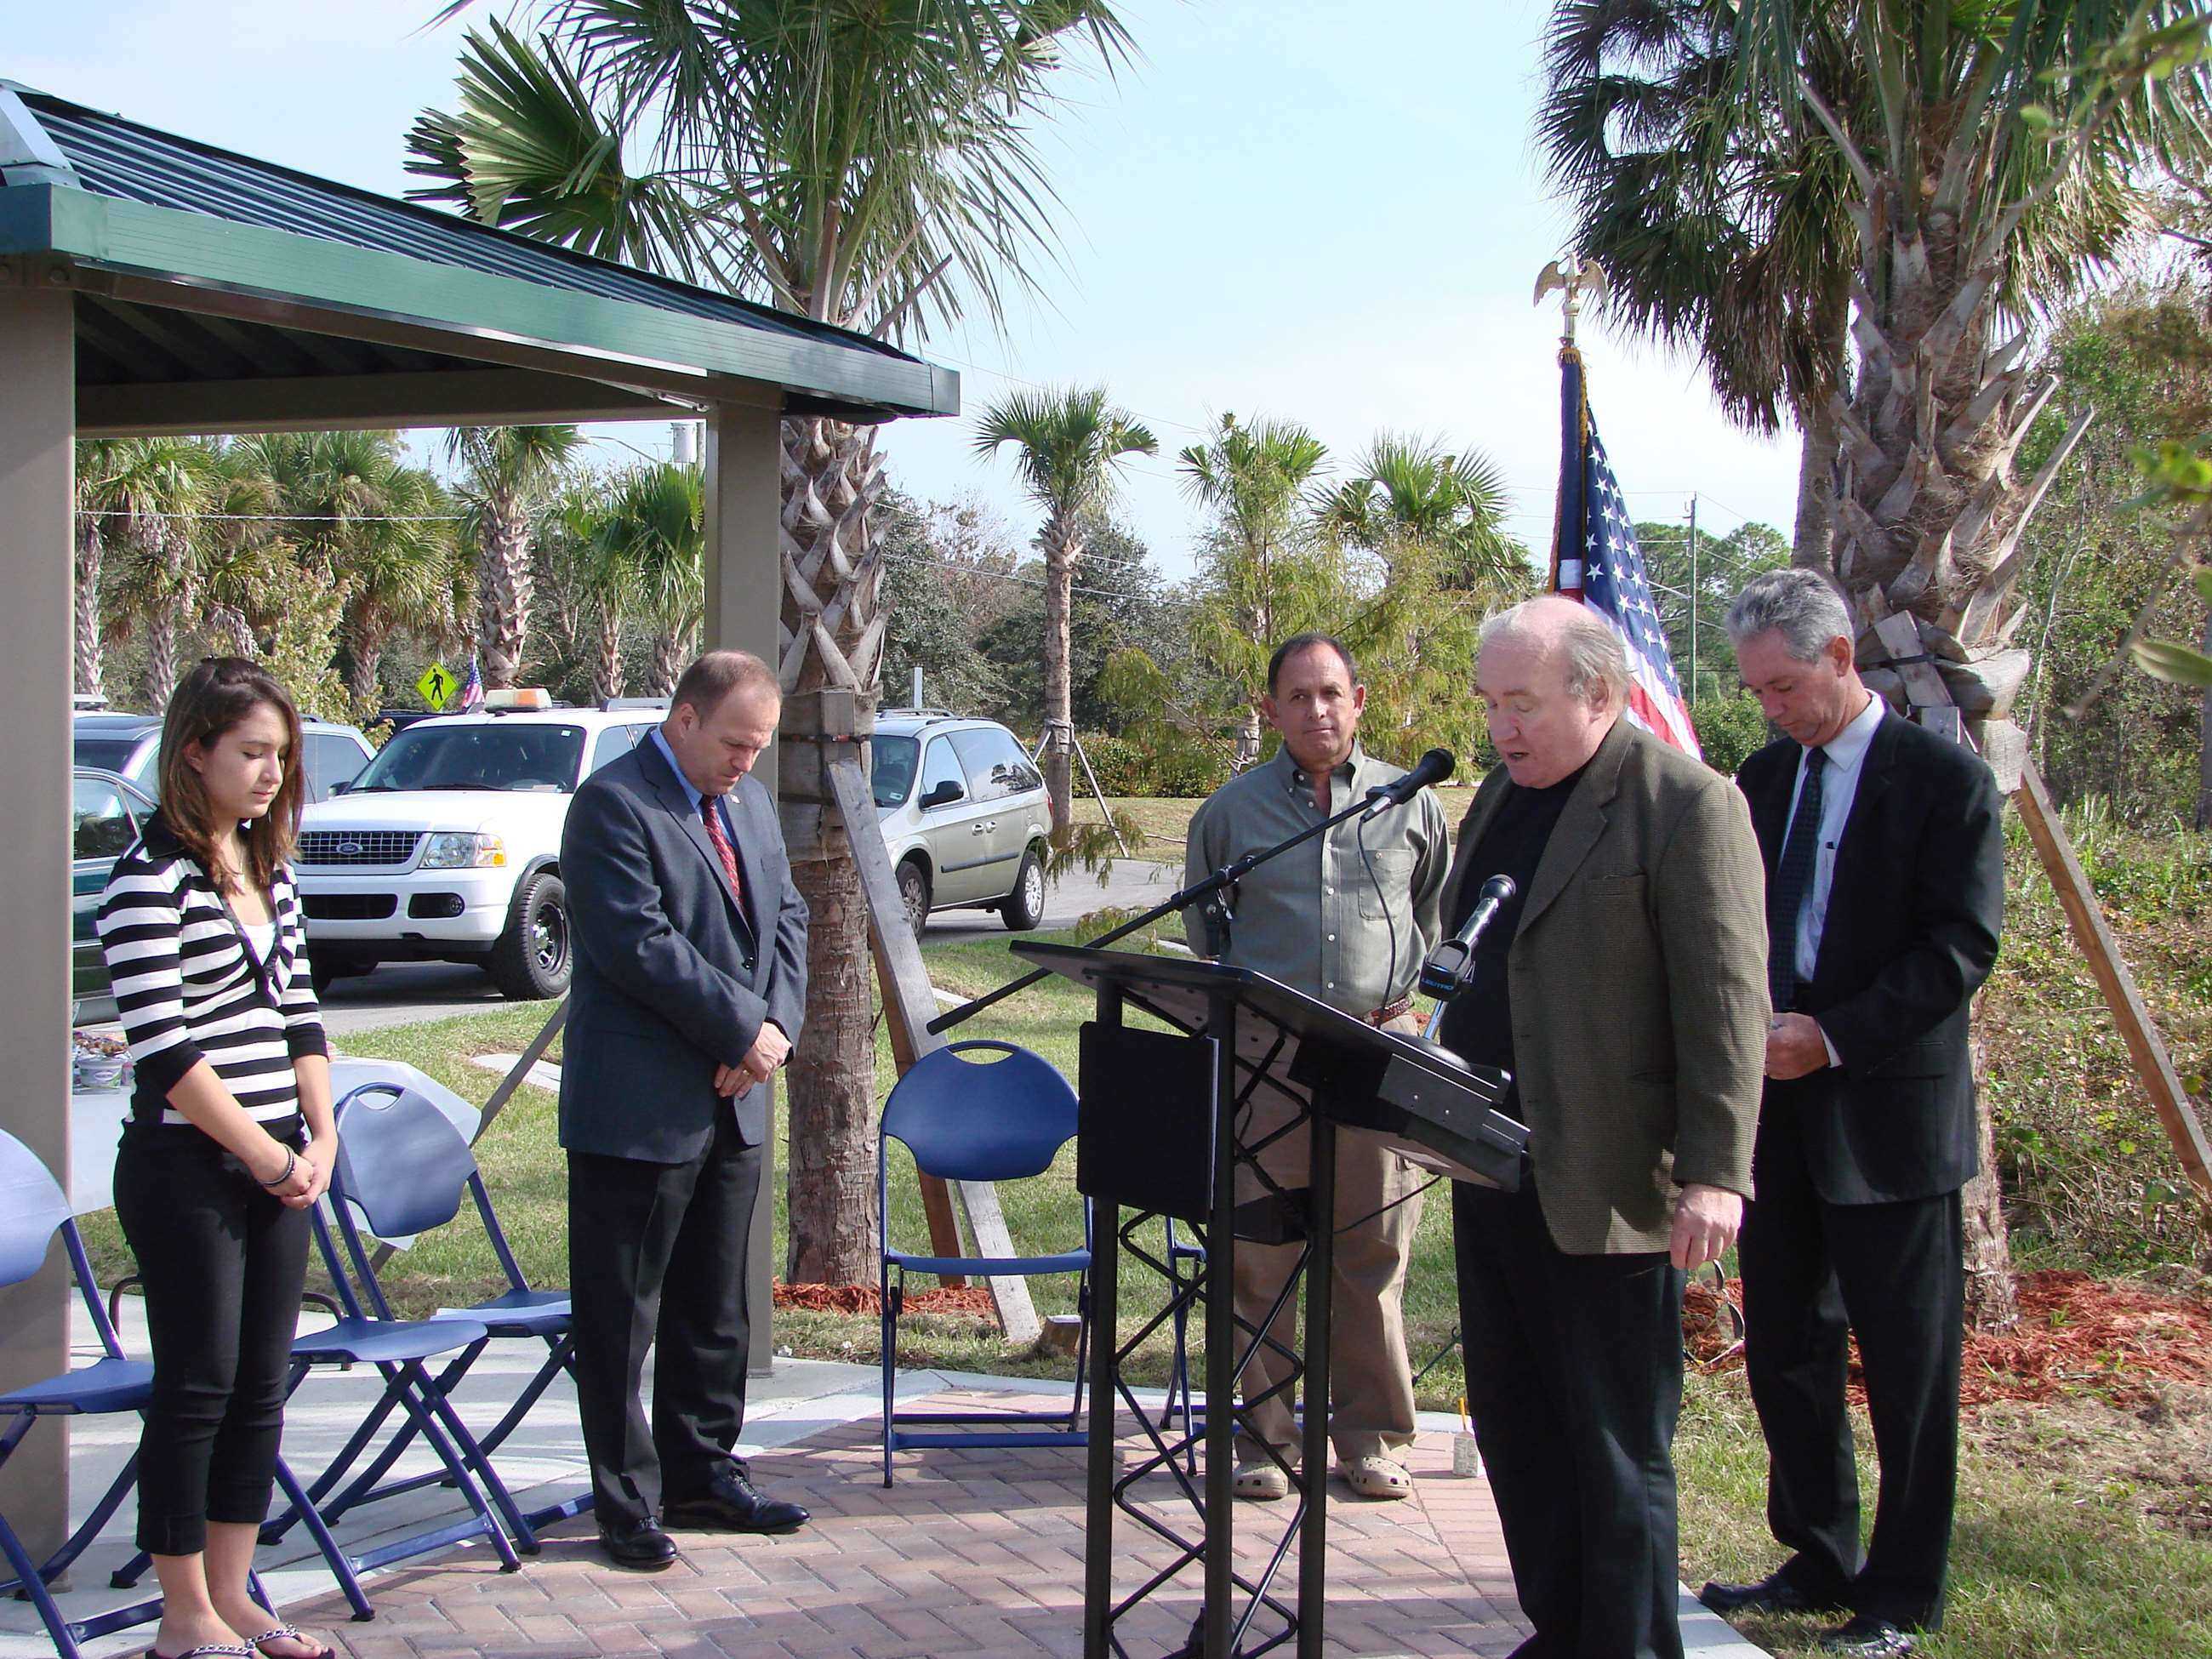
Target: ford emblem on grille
[349,849]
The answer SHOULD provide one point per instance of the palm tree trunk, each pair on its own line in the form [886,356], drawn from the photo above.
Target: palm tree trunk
[503,587]
[1811,547]
[90,551]
[607,674]
[2204,739]
[368,653]
[1929,517]
[1063,546]
[229,624]
[161,628]
[834,638]
[672,653]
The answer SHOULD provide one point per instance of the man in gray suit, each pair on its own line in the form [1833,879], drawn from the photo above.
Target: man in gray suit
[691,979]
[1624,986]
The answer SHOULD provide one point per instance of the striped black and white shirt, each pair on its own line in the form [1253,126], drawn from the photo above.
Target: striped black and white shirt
[188,986]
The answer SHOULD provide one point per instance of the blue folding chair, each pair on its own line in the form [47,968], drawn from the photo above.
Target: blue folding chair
[33,1207]
[405,1166]
[964,1119]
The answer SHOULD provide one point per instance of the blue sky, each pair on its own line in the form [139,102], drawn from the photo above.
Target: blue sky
[1328,211]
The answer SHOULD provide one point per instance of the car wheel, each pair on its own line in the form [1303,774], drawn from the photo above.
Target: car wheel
[914,893]
[329,967]
[1023,909]
[532,960]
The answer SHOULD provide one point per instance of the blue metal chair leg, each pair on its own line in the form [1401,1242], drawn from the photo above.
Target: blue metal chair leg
[334,1557]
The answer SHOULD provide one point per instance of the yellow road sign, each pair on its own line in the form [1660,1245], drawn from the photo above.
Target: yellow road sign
[437,685]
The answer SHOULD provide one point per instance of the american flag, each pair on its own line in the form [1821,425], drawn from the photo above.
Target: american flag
[1594,558]
[471,695]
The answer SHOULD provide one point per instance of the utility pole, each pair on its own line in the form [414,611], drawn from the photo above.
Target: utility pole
[1697,594]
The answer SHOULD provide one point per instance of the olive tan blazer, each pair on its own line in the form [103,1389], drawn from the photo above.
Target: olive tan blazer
[1638,976]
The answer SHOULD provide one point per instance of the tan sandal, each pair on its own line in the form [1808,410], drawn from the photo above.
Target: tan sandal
[1376,1476]
[1262,1481]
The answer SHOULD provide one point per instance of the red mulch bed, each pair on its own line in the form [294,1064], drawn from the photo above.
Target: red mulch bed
[864,1299]
[2076,1335]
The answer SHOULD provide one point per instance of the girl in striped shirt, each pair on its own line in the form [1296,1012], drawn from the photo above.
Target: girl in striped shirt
[228,1144]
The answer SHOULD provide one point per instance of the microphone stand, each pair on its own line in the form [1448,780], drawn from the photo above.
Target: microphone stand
[1205,891]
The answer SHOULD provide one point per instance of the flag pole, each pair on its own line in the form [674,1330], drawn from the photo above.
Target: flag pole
[1571,276]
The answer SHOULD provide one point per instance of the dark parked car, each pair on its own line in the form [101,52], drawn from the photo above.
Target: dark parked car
[105,812]
[130,746]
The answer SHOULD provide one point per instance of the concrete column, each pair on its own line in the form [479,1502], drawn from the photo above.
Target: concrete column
[38,421]
[743,498]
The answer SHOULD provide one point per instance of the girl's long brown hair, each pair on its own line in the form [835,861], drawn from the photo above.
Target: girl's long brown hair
[217,695]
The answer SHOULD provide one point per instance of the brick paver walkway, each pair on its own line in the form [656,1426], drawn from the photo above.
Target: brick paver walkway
[972,1554]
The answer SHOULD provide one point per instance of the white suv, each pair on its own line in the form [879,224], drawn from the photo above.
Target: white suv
[447,846]
[964,813]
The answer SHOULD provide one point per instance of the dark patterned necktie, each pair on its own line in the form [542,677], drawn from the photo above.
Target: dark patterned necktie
[1793,884]
[723,850]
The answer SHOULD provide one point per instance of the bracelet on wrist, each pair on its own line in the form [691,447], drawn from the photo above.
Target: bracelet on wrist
[291,1163]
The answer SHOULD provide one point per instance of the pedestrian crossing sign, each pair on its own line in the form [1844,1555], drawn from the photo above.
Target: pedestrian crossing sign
[437,685]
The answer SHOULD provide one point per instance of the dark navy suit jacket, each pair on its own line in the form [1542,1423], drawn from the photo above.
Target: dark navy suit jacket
[1911,933]
[673,977]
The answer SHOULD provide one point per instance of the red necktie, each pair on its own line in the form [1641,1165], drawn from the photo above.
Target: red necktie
[727,854]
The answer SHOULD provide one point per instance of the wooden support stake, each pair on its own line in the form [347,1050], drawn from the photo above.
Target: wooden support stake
[520,1069]
[908,1005]
[2154,1065]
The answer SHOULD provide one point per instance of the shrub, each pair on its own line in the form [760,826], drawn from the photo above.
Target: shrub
[1128,767]
[1730,729]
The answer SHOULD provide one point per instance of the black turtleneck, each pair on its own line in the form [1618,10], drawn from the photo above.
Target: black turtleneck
[1478,1025]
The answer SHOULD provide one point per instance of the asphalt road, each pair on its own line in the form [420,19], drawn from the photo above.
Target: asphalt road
[404,992]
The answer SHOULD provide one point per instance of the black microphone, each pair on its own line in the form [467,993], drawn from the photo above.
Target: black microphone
[1444,974]
[1432,768]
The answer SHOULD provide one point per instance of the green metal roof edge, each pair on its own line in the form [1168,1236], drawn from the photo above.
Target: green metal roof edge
[112,233]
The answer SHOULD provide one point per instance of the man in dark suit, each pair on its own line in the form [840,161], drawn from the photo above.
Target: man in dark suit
[1621,987]
[1884,847]
[691,979]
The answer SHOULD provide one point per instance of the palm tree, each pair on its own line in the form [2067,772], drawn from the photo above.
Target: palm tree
[1435,522]
[1070,445]
[1410,499]
[871,167]
[96,461]
[398,571]
[155,490]
[1991,145]
[1714,232]
[507,473]
[1253,478]
[1724,220]
[651,545]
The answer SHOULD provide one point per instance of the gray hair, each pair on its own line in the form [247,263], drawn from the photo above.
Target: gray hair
[1801,605]
[1590,652]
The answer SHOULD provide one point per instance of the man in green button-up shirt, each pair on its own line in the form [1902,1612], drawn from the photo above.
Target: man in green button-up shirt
[1347,918]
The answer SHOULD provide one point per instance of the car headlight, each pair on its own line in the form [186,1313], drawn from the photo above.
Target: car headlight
[459,850]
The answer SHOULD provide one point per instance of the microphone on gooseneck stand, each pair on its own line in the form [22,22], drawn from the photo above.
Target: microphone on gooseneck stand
[1432,768]
[1450,966]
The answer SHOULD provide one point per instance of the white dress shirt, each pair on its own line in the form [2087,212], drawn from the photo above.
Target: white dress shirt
[1840,786]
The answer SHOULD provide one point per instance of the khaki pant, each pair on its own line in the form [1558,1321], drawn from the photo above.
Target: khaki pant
[1371,1384]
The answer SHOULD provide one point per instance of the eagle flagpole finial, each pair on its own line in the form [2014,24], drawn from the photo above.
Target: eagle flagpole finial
[1573,276]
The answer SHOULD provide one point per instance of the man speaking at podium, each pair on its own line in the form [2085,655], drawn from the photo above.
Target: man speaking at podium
[1347,918]
[1625,988]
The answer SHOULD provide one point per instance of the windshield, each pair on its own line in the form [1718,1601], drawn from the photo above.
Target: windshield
[108,754]
[891,767]
[494,755]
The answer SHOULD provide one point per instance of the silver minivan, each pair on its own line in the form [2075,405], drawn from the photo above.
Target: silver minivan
[964,813]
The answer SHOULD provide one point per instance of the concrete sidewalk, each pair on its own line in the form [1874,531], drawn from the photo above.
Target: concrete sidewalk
[971,1552]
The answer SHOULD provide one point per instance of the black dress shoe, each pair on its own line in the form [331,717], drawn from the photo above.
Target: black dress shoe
[1772,1594]
[1865,1637]
[731,1503]
[642,1547]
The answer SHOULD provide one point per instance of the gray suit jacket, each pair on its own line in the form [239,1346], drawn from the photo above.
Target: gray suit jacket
[673,978]
[1638,976]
